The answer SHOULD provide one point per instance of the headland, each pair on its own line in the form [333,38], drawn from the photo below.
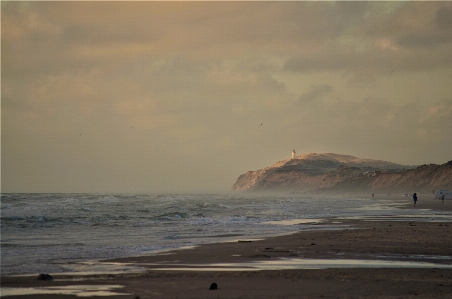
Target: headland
[336,173]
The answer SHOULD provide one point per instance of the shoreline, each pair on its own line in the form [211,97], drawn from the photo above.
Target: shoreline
[413,241]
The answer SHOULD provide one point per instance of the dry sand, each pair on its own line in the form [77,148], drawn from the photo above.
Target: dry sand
[387,240]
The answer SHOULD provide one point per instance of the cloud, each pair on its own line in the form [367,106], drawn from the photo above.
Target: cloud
[317,63]
[386,42]
[317,92]
[352,37]
[437,31]
[444,18]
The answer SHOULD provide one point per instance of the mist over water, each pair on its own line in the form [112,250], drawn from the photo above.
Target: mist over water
[40,232]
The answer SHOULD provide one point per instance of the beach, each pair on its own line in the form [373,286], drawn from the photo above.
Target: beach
[363,258]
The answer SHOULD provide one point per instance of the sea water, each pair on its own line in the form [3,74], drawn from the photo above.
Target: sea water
[42,232]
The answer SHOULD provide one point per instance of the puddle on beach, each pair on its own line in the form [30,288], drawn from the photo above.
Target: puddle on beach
[380,207]
[432,217]
[293,264]
[75,290]
[277,264]
[425,217]
[244,240]
[309,224]
[295,221]
[95,267]
[415,256]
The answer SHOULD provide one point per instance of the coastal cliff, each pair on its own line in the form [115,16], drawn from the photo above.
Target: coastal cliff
[333,172]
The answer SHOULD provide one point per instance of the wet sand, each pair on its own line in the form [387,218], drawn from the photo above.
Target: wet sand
[415,241]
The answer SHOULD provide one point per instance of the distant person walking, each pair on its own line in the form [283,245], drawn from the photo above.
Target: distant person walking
[442,199]
[414,199]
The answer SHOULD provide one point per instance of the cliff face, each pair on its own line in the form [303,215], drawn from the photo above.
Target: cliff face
[423,178]
[332,172]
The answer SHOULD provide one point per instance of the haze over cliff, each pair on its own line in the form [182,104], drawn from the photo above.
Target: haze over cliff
[334,172]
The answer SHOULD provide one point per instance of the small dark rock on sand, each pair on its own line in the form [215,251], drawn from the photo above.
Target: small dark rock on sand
[213,286]
[44,276]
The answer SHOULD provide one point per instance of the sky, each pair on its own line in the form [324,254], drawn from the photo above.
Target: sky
[148,97]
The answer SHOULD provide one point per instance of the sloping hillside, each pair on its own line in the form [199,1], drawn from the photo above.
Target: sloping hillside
[424,178]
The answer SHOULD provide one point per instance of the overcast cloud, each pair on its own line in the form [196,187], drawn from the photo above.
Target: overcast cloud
[186,96]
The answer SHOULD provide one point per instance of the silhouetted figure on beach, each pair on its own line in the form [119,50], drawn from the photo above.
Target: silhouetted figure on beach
[414,199]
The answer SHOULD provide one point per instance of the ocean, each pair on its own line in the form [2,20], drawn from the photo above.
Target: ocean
[40,233]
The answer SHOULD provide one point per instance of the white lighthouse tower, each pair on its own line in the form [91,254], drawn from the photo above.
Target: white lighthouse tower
[293,154]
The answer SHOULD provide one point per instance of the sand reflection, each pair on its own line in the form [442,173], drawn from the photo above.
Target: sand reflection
[294,264]
[74,290]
